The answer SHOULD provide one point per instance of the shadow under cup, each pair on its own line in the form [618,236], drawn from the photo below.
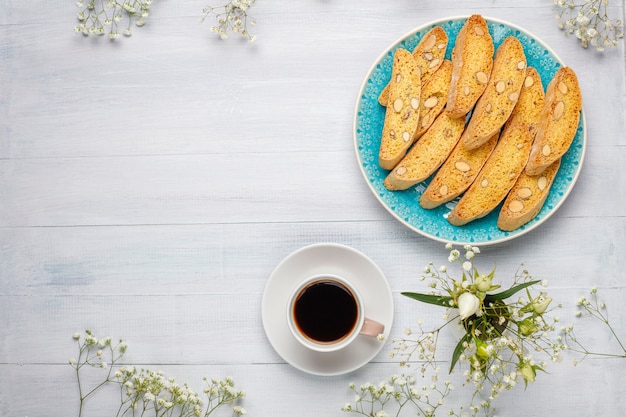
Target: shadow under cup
[326,314]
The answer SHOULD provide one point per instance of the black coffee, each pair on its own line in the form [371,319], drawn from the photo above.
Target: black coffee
[325,311]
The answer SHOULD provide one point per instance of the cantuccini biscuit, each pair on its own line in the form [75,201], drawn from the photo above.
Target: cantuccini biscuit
[427,155]
[434,94]
[402,113]
[457,173]
[559,121]
[429,55]
[526,198]
[472,62]
[502,93]
[532,98]
[508,159]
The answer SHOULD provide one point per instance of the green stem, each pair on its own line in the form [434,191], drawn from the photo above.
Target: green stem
[605,320]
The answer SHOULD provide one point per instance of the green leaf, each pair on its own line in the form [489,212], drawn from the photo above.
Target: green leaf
[458,350]
[506,294]
[439,300]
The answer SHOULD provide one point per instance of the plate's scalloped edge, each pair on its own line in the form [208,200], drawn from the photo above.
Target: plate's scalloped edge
[544,214]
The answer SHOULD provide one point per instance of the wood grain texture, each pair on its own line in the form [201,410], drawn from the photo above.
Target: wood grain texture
[149,187]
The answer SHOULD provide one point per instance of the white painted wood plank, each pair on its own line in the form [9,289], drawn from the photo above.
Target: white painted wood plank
[297,393]
[238,258]
[219,329]
[246,187]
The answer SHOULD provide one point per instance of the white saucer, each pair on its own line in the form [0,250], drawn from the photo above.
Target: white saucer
[329,258]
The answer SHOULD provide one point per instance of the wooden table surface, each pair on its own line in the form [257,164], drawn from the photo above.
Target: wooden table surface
[149,187]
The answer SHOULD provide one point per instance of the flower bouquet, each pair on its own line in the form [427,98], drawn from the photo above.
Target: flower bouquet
[501,330]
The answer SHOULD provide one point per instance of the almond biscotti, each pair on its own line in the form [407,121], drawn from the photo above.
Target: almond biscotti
[496,178]
[472,62]
[457,173]
[508,159]
[428,54]
[559,121]
[434,94]
[427,154]
[532,98]
[526,198]
[402,113]
[501,94]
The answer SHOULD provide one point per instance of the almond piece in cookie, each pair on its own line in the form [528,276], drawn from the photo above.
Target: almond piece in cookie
[472,62]
[457,173]
[427,154]
[403,111]
[429,55]
[559,121]
[526,198]
[501,95]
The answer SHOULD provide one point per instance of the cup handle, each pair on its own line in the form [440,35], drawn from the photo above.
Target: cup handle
[372,328]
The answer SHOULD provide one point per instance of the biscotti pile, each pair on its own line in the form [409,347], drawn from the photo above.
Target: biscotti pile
[480,122]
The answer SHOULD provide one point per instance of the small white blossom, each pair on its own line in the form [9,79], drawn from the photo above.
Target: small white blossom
[232,17]
[100,18]
[589,22]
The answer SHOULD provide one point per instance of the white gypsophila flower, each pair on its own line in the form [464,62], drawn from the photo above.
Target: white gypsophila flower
[231,17]
[589,21]
[99,18]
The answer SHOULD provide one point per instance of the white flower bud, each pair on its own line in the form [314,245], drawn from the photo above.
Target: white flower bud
[468,305]
[541,303]
[483,283]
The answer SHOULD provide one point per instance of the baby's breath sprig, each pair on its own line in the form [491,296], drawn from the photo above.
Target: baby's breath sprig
[395,393]
[232,17]
[147,391]
[588,20]
[100,17]
[498,329]
[595,309]
[94,353]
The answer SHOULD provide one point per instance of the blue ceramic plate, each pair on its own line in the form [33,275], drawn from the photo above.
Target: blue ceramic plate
[404,205]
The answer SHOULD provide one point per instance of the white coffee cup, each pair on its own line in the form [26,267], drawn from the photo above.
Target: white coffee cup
[326,313]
